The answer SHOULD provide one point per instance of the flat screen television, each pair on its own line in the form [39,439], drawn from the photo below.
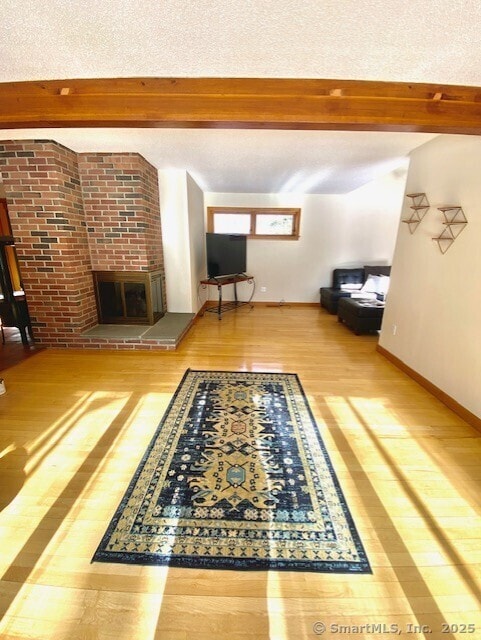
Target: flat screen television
[226,254]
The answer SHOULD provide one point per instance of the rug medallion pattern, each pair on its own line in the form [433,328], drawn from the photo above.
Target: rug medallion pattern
[236,476]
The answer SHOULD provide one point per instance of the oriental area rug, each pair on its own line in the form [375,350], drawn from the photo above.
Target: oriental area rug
[236,477]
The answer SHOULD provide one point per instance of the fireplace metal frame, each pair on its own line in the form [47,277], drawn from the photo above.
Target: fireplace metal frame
[150,279]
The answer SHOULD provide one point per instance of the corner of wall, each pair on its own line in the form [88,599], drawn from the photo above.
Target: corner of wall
[430,323]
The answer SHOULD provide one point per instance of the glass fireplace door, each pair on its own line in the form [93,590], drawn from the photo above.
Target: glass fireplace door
[128,297]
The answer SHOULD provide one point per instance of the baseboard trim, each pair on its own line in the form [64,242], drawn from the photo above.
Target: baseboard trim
[262,303]
[286,304]
[200,312]
[446,399]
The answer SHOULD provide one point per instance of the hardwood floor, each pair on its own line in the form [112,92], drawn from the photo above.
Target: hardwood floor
[74,426]
[13,351]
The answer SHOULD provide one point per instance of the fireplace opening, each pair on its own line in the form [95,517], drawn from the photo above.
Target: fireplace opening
[128,297]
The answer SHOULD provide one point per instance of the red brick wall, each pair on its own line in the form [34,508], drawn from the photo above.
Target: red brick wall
[45,205]
[72,214]
[121,201]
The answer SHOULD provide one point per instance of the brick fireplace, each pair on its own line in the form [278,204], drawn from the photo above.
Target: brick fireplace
[72,215]
[129,297]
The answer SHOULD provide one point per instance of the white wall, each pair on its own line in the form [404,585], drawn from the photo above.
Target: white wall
[434,299]
[183,238]
[175,239]
[195,212]
[342,230]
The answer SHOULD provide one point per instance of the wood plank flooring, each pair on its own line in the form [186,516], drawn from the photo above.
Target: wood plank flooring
[13,351]
[74,425]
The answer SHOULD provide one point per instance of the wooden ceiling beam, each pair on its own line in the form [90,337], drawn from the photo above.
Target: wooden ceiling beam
[241,103]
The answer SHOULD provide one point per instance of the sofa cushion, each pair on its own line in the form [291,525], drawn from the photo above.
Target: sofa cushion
[351,286]
[347,276]
[361,317]
[366,310]
[376,270]
[330,298]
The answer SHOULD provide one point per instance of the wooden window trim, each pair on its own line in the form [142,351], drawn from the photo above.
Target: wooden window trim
[258,211]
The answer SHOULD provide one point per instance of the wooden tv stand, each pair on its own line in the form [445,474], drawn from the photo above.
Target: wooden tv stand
[219,282]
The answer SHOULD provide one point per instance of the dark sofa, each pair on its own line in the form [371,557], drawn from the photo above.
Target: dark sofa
[362,316]
[330,296]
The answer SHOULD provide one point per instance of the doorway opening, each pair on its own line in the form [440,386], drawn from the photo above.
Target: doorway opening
[13,302]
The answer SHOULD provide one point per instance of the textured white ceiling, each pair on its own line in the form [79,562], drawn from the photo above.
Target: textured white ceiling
[249,161]
[416,41]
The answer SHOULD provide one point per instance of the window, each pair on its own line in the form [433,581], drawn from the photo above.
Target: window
[272,223]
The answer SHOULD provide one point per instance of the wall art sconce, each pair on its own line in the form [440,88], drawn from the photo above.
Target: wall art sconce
[419,207]
[454,222]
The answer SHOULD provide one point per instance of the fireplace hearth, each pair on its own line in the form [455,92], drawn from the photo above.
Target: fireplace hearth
[128,297]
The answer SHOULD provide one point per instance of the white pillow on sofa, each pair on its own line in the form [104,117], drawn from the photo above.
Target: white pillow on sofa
[376,284]
[383,285]
[370,286]
[363,296]
[351,287]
